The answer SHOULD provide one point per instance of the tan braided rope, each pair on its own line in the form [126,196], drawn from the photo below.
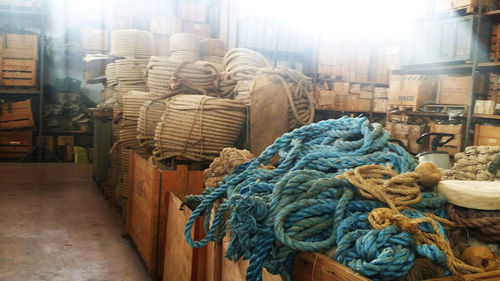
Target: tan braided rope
[472,164]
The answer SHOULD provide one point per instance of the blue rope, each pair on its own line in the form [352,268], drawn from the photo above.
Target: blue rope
[301,206]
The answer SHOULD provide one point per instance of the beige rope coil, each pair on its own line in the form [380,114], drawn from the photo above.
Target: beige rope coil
[229,159]
[472,164]
[242,64]
[131,43]
[131,71]
[149,116]
[298,89]
[184,47]
[110,74]
[198,127]
[166,78]
[132,103]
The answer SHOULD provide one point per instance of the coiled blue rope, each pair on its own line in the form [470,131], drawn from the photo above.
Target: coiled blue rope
[301,206]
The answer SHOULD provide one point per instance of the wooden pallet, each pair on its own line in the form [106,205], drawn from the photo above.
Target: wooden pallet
[18,72]
[16,115]
[444,108]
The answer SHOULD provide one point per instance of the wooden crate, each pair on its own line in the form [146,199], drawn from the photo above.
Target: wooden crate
[341,102]
[16,115]
[20,73]
[357,104]
[20,46]
[454,146]
[408,135]
[15,144]
[380,105]
[181,261]
[325,99]
[487,135]
[411,91]
[147,206]
[318,267]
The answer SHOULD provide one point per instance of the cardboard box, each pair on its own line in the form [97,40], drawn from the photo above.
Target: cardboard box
[192,11]
[200,29]
[380,105]
[165,25]
[484,107]
[487,135]
[453,146]
[325,99]
[366,95]
[408,135]
[20,46]
[95,39]
[341,102]
[341,88]
[456,89]
[355,89]
[380,93]
[357,104]
[411,90]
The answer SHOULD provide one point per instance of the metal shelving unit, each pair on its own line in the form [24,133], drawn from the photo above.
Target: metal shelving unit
[40,17]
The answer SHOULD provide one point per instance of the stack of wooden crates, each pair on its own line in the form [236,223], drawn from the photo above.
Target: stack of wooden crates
[18,60]
[16,129]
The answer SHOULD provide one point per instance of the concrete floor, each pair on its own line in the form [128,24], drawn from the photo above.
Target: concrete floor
[55,225]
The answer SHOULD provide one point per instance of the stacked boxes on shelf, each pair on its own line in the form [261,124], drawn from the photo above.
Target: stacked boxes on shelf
[380,101]
[194,16]
[456,89]
[411,91]
[19,58]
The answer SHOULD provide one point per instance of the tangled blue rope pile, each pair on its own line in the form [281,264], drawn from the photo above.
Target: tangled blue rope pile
[301,206]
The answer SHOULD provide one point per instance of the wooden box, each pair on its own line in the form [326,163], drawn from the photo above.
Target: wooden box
[20,46]
[454,146]
[200,29]
[341,102]
[95,39]
[15,144]
[357,104]
[487,135]
[408,135]
[484,107]
[16,72]
[181,261]
[456,89]
[16,115]
[147,206]
[411,91]
[66,144]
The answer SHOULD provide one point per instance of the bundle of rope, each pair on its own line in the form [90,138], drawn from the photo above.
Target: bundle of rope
[149,116]
[131,43]
[198,127]
[166,78]
[299,89]
[472,164]
[131,71]
[184,47]
[110,74]
[484,225]
[243,64]
[132,103]
[229,159]
[300,205]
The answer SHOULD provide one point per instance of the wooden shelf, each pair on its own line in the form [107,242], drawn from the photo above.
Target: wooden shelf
[68,132]
[20,91]
[493,15]
[486,116]
[441,67]
[439,114]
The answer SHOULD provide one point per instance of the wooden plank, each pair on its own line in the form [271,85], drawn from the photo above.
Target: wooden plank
[142,209]
[318,267]
[182,262]
[485,276]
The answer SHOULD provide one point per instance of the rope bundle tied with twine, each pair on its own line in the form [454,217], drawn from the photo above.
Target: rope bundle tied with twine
[229,159]
[198,127]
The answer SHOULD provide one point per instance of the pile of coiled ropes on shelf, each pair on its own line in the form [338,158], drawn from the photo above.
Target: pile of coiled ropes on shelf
[303,205]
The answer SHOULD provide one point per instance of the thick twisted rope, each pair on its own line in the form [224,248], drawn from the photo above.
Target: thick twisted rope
[484,225]
[472,164]
[300,205]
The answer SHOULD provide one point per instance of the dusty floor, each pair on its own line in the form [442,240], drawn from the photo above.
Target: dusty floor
[56,225]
